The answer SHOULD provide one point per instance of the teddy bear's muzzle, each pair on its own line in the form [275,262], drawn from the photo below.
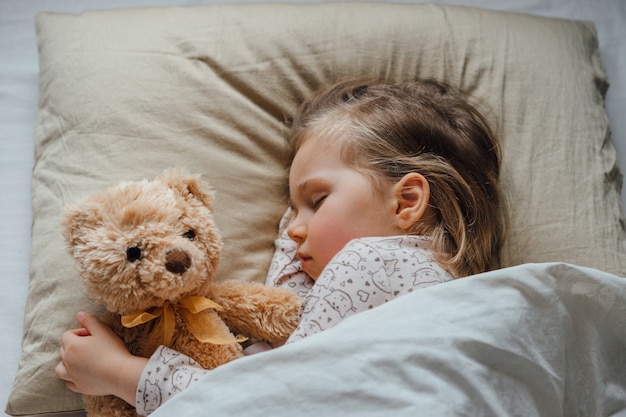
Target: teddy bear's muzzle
[177,261]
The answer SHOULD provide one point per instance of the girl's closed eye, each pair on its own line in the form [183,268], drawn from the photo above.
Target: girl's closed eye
[318,200]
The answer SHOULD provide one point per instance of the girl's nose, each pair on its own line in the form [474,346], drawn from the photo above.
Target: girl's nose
[297,231]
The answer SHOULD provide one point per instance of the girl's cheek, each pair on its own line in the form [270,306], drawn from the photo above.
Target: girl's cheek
[333,243]
[324,236]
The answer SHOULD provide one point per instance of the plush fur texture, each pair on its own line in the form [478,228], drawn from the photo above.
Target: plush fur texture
[140,244]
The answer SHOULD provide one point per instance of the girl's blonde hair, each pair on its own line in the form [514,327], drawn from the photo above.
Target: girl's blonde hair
[428,127]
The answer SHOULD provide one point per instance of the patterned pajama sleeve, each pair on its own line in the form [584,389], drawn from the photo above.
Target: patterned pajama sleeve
[366,273]
[167,373]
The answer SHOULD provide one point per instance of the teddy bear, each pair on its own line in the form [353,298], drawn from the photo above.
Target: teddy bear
[147,252]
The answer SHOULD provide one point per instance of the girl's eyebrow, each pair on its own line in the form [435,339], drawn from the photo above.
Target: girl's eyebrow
[303,187]
[309,183]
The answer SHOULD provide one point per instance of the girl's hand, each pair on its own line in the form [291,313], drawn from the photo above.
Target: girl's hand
[94,361]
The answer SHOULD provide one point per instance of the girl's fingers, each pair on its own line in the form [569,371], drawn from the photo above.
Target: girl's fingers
[61,371]
[81,332]
[71,386]
[91,324]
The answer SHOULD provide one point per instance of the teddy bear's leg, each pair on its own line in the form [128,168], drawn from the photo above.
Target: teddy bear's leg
[258,311]
[108,406]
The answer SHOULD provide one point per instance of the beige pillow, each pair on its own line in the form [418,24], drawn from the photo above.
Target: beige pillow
[127,93]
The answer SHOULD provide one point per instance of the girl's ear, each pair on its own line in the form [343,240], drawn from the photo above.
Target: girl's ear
[412,194]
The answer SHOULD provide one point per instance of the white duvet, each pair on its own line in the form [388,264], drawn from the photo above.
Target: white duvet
[533,340]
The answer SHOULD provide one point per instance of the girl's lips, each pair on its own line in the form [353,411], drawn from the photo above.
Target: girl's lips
[305,261]
[307,265]
[303,257]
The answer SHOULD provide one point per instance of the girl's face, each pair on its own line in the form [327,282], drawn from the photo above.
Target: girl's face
[333,204]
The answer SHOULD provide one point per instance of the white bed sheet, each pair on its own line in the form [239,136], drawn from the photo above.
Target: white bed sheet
[18,106]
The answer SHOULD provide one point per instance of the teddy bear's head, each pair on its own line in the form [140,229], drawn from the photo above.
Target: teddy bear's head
[138,244]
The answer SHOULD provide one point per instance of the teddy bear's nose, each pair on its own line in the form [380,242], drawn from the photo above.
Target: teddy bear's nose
[177,261]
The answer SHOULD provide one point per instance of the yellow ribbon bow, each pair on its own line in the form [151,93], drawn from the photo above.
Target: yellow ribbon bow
[199,315]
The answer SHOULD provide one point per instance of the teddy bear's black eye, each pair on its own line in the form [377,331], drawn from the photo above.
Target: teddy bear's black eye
[133,254]
[190,234]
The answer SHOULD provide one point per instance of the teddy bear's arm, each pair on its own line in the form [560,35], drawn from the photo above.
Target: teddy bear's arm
[258,311]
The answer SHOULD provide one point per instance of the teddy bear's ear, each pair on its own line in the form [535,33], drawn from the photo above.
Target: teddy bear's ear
[188,185]
[76,219]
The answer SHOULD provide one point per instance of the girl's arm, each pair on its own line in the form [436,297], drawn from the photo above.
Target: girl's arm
[94,361]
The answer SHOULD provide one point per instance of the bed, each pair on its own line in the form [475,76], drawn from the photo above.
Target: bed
[114,87]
